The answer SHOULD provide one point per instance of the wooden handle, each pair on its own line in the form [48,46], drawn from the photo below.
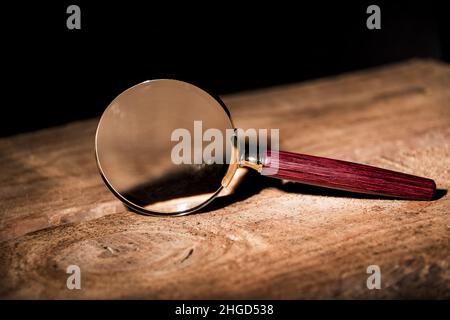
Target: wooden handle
[347,176]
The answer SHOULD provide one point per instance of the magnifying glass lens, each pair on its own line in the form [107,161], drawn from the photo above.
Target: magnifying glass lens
[150,143]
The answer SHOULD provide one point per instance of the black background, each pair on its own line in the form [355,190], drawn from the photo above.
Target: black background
[284,309]
[52,75]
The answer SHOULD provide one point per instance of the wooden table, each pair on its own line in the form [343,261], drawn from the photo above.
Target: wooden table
[270,239]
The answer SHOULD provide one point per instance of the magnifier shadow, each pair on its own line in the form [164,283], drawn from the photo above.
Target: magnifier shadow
[186,182]
[247,185]
[254,183]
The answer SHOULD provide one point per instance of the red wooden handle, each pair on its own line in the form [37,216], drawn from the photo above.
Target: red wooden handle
[346,175]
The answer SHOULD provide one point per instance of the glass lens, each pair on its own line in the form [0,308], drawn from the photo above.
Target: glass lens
[144,134]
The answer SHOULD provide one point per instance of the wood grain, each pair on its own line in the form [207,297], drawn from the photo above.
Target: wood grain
[347,176]
[270,239]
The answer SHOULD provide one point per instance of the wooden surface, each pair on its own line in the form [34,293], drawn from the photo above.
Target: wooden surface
[270,239]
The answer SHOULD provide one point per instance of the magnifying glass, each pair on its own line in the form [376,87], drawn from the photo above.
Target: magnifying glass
[167,147]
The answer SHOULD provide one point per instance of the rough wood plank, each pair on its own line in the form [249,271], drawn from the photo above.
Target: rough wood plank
[270,239]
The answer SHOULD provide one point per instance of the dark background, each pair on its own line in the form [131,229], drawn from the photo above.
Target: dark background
[52,75]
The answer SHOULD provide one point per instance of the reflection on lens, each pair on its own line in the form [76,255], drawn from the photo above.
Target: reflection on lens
[134,147]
